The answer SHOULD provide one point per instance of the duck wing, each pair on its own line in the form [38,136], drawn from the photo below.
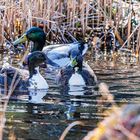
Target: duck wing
[60,53]
[7,75]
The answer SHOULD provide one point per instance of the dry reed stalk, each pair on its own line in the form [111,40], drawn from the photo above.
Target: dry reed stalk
[48,12]
[12,83]
[2,117]
[129,29]
[44,19]
[110,12]
[62,35]
[127,133]
[98,13]
[58,11]
[105,11]
[93,15]
[73,14]
[24,56]
[65,132]
[118,37]
[16,83]
[138,45]
[41,6]
[29,19]
[82,15]
[130,36]
[12,136]
[44,14]
[11,20]
[36,7]
[68,10]
[106,95]
[87,11]
[119,14]
[138,39]
[1,30]
[5,83]
[101,10]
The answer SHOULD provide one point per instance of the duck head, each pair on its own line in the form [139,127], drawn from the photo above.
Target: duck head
[34,34]
[76,60]
[36,80]
[34,60]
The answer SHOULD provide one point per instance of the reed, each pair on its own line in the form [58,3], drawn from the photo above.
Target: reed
[65,132]
[57,17]
[135,30]
[5,103]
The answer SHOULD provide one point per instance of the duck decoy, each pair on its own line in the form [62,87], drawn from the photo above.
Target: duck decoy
[56,53]
[77,72]
[34,80]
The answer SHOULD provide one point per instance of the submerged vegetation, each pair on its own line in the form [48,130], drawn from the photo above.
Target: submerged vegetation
[110,27]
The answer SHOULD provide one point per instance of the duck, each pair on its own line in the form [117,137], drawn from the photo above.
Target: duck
[76,73]
[58,54]
[25,80]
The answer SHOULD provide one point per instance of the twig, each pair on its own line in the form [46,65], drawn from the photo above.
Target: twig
[130,36]
[69,127]
[127,133]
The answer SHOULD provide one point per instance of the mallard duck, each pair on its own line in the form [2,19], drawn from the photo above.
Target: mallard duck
[58,54]
[77,72]
[33,81]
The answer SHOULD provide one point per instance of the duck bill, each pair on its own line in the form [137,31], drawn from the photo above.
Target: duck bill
[22,39]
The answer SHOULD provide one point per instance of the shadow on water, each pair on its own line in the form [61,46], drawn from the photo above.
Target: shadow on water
[45,115]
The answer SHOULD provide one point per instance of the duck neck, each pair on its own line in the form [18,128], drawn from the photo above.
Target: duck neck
[79,66]
[81,48]
[38,46]
[33,71]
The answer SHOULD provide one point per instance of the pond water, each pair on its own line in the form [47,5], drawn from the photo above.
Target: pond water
[47,118]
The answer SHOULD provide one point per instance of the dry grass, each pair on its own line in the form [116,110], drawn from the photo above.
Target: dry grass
[60,18]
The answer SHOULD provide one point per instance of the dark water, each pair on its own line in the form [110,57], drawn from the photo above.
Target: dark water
[47,120]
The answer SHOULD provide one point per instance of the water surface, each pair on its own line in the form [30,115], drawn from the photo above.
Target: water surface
[56,108]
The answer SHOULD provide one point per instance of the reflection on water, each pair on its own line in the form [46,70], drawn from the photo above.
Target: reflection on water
[44,115]
[37,96]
